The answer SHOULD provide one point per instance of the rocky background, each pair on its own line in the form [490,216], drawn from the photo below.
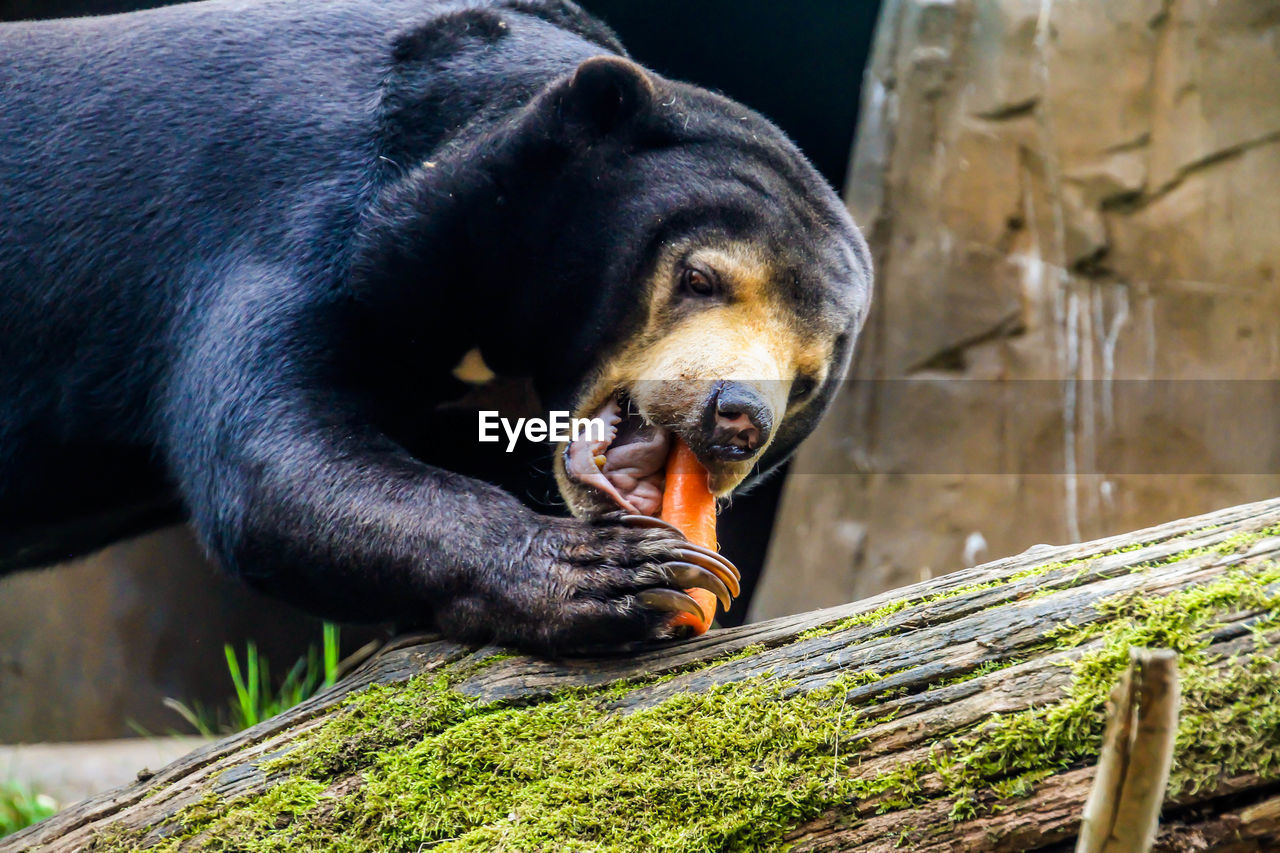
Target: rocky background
[1075,214]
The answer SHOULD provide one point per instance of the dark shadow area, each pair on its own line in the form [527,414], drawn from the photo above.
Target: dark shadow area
[799,64]
[26,10]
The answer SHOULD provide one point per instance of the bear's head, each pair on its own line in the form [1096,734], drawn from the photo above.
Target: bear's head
[729,279]
[662,258]
[716,285]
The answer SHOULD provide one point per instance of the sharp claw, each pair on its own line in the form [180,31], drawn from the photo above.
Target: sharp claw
[708,556]
[722,567]
[672,601]
[713,555]
[649,521]
[688,575]
[730,582]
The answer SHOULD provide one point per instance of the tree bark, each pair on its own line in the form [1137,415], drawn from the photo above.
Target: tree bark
[929,679]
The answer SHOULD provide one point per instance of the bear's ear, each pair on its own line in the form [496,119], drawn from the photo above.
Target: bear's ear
[606,92]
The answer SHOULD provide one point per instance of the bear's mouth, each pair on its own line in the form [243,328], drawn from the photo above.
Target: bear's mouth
[628,466]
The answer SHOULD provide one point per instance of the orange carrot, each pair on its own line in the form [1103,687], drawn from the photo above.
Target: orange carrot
[687,502]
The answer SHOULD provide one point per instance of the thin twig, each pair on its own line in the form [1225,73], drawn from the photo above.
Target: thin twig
[1123,810]
[835,758]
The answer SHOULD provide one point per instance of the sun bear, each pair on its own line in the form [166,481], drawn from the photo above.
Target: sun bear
[246,248]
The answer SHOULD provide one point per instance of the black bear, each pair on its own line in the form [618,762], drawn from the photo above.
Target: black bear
[248,248]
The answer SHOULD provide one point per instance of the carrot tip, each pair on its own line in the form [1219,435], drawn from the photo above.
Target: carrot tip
[688,620]
[689,504]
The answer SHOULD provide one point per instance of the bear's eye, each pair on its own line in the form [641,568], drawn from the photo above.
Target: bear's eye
[802,387]
[698,282]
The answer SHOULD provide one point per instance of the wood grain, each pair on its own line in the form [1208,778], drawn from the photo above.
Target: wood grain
[943,628]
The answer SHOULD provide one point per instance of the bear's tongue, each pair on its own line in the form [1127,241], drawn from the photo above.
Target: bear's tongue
[628,466]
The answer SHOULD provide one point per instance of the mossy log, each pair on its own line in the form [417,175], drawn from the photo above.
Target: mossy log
[962,713]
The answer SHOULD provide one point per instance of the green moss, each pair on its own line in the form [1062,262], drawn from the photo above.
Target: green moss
[621,688]
[1233,544]
[481,663]
[1229,724]
[380,718]
[984,668]
[880,614]
[421,766]
[730,769]
[745,652]
[871,617]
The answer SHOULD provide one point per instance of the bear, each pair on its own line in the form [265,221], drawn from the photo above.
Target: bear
[252,253]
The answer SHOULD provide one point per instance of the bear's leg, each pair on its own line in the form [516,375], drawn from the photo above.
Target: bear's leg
[292,488]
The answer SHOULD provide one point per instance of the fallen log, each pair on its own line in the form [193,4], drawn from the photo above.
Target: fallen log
[964,712]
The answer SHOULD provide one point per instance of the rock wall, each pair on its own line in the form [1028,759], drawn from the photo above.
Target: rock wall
[1075,214]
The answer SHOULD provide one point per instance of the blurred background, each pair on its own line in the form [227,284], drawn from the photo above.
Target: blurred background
[1074,218]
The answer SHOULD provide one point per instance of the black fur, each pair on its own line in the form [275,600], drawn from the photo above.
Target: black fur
[243,243]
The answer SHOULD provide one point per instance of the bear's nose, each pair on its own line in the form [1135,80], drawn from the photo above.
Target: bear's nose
[738,421]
